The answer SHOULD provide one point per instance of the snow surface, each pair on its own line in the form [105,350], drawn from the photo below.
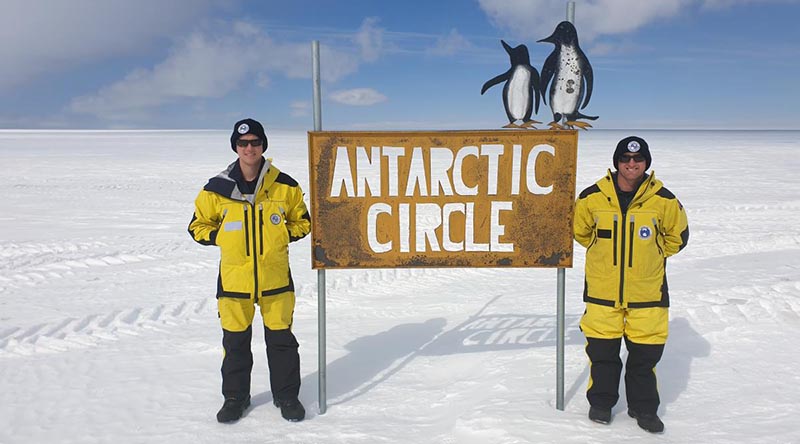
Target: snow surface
[109,331]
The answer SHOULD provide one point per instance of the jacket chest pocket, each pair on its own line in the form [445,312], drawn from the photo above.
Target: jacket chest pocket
[233,236]
[273,235]
[646,255]
[602,254]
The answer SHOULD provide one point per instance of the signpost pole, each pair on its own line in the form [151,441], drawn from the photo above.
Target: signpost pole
[322,364]
[560,341]
[560,289]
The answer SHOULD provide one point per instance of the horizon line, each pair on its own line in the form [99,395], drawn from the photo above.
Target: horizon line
[31,130]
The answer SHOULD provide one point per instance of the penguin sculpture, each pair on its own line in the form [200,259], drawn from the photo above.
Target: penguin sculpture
[521,90]
[569,74]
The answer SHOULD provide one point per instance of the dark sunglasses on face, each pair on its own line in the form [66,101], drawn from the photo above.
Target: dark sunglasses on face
[241,143]
[636,158]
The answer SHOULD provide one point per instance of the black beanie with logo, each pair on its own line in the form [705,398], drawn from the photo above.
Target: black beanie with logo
[248,126]
[633,144]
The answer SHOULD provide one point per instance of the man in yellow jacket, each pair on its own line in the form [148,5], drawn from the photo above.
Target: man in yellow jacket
[251,211]
[630,224]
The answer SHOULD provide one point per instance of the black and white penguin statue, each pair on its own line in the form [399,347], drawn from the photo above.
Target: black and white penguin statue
[521,91]
[569,74]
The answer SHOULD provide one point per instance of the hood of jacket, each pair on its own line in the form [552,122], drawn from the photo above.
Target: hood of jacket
[226,183]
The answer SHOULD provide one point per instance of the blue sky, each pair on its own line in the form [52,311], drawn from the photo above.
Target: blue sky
[178,64]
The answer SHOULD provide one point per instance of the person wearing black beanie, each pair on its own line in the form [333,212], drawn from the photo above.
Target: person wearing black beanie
[633,144]
[252,211]
[630,224]
[248,126]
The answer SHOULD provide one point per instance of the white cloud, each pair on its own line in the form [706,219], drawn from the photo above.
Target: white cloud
[206,66]
[300,108]
[723,4]
[370,39]
[198,69]
[536,19]
[358,97]
[450,44]
[46,37]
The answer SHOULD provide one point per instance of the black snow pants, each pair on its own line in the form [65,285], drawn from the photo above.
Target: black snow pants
[282,357]
[640,378]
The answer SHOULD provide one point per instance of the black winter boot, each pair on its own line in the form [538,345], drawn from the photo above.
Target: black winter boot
[291,409]
[647,421]
[602,416]
[233,409]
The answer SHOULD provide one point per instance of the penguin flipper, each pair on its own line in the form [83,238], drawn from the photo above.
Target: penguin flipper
[548,70]
[588,76]
[495,81]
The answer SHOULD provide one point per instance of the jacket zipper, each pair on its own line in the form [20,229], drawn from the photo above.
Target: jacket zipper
[614,240]
[261,229]
[630,251]
[622,259]
[255,258]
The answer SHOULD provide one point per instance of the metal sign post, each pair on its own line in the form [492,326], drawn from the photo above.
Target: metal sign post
[322,364]
[560,289]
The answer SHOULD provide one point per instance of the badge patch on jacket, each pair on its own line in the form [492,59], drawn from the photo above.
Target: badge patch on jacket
[275,219]
[644,232]
[233,226]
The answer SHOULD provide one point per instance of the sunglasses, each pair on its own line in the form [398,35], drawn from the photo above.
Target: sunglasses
[241,143]
[636,158]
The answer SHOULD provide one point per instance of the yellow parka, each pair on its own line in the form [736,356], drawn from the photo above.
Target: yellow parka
[626,253]
[252,231]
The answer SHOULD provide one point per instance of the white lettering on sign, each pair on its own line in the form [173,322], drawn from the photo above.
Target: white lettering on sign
[497,229]
[342,175]
[368,171]
[442,173]
[533,185]
[441,164]
[439,171]
[447,212]
[393,153]
[372,228]
[428,218]
[493,152]
[461,188]
[416,175]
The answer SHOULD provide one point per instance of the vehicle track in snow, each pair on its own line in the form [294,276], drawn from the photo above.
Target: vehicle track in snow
[29,264]
[92,330]
[753,304]
[95,329]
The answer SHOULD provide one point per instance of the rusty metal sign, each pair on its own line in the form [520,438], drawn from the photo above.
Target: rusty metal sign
[442,199]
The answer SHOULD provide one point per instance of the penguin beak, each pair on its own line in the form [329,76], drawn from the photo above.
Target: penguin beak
[505,45]
[548,39]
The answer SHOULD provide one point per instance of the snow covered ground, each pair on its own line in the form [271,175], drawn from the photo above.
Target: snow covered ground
[109,331]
